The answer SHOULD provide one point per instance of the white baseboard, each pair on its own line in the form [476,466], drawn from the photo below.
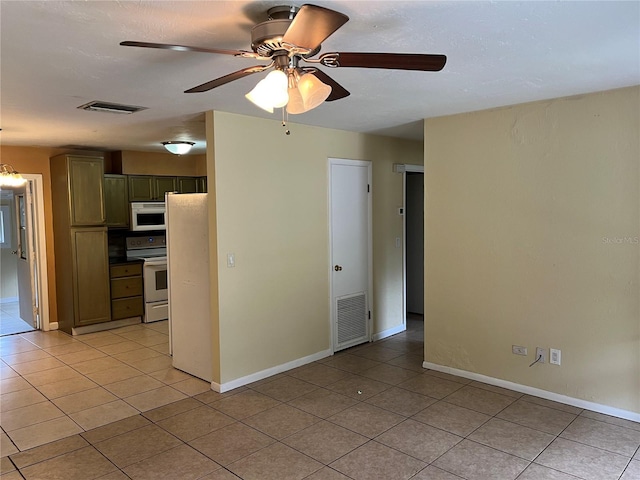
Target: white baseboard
[254,377]
[390,331]
[537,392]
[52,326]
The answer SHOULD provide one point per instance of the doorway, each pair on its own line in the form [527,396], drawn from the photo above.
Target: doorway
[414,241]
[23,306]
[413,229]
[350,210]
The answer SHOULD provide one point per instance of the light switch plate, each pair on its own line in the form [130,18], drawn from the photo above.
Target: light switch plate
[518,350]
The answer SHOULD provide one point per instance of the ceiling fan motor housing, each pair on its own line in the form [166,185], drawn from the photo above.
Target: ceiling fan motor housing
[266,37]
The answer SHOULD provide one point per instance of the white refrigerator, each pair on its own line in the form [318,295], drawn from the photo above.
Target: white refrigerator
[188,285]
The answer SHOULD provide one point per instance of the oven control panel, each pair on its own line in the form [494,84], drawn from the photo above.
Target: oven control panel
[151,241]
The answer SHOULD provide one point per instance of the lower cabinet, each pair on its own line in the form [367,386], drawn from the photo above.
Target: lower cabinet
[126,290]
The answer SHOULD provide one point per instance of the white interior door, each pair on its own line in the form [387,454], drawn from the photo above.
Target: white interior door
[27,293]
[350,210]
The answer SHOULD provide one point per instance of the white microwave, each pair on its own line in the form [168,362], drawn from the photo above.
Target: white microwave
[146,216]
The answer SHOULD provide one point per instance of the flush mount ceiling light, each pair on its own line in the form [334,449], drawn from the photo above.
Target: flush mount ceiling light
[9,177]
[178,147]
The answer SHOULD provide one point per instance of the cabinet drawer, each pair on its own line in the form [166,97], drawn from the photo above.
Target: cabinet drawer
[128,270]
[127,307]
[126,287]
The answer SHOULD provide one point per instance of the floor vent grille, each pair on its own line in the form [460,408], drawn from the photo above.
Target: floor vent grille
[352,318]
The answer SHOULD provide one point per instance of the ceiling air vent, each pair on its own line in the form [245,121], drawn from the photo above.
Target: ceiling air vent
[106,107]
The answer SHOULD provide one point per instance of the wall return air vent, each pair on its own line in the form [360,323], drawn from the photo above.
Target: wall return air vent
[107,107]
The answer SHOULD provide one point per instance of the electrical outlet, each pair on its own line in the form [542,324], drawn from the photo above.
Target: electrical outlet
[541,353]
[555,356]
[518,350]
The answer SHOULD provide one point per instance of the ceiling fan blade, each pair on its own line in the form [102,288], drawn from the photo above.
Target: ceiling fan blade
[337,90]
[185,48]
[395,61]
[228,78]
[312,25]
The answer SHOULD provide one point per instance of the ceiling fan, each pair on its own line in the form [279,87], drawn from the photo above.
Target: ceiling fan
[292,35]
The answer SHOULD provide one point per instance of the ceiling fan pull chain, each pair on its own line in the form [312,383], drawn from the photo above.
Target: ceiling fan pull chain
[284,122]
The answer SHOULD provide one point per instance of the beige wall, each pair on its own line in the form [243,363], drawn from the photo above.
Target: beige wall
[131,162]
[532,219]
[272,196]
[212,211]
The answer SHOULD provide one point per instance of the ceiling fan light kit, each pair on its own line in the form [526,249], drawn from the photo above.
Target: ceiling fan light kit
[271,92]
[307,93]
[178,147]
[289,36]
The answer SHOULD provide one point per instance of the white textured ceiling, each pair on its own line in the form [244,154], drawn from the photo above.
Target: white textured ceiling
[56,56]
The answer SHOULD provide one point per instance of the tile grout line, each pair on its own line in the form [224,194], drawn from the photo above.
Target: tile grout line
[48,400]
[318,419]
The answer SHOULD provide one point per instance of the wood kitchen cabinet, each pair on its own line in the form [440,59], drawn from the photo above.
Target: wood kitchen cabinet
[86,189]
[146,188]
[202,185]
[192,185]
[116,200]
[150,188]
[141,188]
[188,184]
[90,267]
[164,185]
[126,290]
[80,241]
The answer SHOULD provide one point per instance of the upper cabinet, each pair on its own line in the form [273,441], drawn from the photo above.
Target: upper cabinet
[84,177]
[116,200]
[141,188]
[202,184]
[145,188]
[192,184]
[187,184]
[163,185]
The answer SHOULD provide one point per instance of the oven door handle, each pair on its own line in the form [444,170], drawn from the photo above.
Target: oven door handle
[155,263]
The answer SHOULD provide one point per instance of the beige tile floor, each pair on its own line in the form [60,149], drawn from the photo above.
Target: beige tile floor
[10,321]
[110,406]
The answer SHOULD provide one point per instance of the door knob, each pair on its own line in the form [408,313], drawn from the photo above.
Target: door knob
[337,268]
[14,252]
